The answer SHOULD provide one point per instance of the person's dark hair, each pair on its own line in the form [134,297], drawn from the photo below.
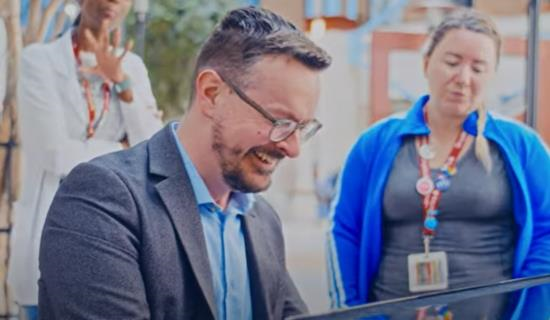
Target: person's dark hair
[245,35]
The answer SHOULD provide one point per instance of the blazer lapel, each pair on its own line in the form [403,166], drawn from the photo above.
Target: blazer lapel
[177,194]
[263,277]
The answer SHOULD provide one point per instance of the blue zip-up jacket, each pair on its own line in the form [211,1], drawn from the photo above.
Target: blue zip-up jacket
[354,238]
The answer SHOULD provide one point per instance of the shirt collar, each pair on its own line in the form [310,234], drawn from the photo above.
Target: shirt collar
[239,203]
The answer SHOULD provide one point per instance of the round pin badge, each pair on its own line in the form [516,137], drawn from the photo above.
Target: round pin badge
[426,152]
[452,171]
[442,183]
[443,170]
[424,186]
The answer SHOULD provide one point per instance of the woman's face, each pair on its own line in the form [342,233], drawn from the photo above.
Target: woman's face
[94,12]
[458,71]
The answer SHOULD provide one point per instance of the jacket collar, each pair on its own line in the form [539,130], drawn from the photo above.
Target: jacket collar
[415,124]
[262,271]
[164,159]
[177,194]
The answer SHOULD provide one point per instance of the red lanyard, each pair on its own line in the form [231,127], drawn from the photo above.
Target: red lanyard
[430,191]
[92,124]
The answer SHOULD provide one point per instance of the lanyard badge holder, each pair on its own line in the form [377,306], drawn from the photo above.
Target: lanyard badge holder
[429,270]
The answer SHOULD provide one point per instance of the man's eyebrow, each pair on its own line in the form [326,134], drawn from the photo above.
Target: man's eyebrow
[279,111]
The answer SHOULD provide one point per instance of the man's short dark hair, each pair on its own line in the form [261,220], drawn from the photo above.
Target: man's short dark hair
[245,35]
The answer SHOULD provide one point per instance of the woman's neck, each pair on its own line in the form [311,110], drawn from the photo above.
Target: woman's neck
[443,128]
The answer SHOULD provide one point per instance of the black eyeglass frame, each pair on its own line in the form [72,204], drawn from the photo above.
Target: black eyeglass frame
[314,125]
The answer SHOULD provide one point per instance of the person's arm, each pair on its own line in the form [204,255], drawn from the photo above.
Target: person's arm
[89,253]
[42,116]
[141,116]
[537,261]
[345,231]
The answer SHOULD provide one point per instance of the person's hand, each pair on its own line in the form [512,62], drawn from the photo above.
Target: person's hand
[109,64]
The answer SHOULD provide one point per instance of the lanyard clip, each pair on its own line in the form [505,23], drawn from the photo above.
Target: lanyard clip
[427,245]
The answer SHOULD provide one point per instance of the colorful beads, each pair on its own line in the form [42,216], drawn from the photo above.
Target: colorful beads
[430,223]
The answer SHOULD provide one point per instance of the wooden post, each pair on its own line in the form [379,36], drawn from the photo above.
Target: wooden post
[9,151]
[38,22]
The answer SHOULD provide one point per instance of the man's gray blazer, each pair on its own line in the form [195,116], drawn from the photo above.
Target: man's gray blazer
[123,240]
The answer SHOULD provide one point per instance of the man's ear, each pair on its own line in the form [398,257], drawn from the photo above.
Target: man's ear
[208,85]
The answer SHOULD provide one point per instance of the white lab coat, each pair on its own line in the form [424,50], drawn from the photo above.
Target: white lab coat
[53,118]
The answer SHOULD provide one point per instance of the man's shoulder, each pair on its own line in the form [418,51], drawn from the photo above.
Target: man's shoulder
[126,162]
[109,173]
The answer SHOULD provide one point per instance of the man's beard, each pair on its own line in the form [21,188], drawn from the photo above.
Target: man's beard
[230,160]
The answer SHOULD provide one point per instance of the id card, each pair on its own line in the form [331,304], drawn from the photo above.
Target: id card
[428,272]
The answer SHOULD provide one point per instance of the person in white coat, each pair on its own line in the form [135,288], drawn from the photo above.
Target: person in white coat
[79,97]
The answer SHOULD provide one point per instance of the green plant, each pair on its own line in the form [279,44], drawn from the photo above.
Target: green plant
[175,31]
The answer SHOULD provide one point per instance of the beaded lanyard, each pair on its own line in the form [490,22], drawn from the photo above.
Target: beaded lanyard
[92,124]
[431,192]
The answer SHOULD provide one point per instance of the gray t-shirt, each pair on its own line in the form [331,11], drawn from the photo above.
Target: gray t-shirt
[476,229]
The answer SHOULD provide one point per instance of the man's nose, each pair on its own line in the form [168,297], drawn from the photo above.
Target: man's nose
[291,145]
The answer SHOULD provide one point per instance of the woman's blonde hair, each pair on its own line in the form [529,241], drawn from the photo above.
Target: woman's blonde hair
[471,20]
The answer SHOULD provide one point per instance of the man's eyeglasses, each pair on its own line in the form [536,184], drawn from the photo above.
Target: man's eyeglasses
[282,128]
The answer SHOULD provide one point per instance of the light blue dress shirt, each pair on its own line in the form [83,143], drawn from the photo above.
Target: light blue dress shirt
[225,244]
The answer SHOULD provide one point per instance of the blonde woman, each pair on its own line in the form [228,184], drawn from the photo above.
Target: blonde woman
[446,195]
